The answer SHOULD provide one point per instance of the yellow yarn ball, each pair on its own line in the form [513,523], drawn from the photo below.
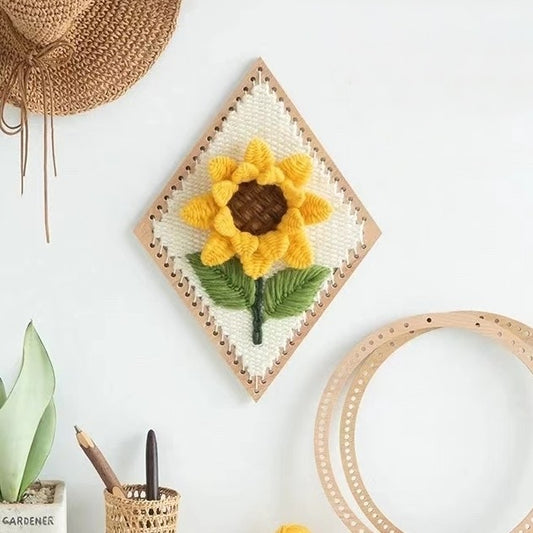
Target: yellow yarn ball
[293,528]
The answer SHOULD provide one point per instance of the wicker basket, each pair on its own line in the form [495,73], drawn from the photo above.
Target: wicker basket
[138,515]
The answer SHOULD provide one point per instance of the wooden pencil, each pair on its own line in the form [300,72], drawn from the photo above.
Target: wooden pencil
[100,463]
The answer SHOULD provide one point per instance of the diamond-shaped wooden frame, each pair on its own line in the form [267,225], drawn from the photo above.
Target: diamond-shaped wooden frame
[144,232]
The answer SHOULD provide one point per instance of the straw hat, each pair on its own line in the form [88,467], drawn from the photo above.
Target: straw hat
[93,50]
[67,56]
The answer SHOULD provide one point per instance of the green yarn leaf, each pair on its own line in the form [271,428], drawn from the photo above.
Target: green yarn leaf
[292,291]
[226,284]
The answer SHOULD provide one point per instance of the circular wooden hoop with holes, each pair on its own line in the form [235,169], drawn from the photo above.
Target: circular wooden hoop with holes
[356,371]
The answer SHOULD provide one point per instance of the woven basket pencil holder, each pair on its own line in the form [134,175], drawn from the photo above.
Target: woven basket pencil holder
[135,514]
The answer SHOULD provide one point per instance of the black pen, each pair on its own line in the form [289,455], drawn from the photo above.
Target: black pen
[152,467]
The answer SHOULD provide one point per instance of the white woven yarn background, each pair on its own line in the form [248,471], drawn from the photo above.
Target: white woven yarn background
[258,114]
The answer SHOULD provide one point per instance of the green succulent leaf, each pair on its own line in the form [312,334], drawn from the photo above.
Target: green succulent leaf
[226,284]
[292,291]
[2,401]
[22,412]
[2,393]
[40,448]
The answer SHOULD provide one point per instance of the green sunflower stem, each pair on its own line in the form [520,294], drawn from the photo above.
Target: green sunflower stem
[257,312]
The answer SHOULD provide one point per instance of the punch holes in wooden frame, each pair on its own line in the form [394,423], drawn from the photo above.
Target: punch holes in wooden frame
[356,371]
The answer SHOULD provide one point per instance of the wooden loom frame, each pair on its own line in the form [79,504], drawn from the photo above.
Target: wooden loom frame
[144,232]
[352,377]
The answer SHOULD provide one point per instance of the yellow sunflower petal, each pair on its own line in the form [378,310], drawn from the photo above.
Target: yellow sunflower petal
[273,245]
[223,191]
[294,195]
[245,172]
[292,221]
[223,223]
[255,265]
[259,154]
[297,168]
[222,167]
[272,175]
[200,211]
[217,250]
[244,243]
[299,253]
[315,209]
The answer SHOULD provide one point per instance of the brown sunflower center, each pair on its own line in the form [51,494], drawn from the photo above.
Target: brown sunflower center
[256,208]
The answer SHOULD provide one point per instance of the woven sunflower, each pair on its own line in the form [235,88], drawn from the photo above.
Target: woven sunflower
[256,213]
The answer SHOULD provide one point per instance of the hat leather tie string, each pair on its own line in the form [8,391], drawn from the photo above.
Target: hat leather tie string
[38,61]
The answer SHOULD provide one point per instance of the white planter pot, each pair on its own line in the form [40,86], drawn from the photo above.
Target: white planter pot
[35,517]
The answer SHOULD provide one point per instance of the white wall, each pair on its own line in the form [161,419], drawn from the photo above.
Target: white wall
[427,108]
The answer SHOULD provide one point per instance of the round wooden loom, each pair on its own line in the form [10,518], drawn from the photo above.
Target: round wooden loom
[356,371]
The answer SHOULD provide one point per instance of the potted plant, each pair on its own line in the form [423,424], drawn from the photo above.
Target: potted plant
[27,429]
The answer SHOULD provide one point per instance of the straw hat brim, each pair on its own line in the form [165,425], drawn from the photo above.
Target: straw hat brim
[115,43]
